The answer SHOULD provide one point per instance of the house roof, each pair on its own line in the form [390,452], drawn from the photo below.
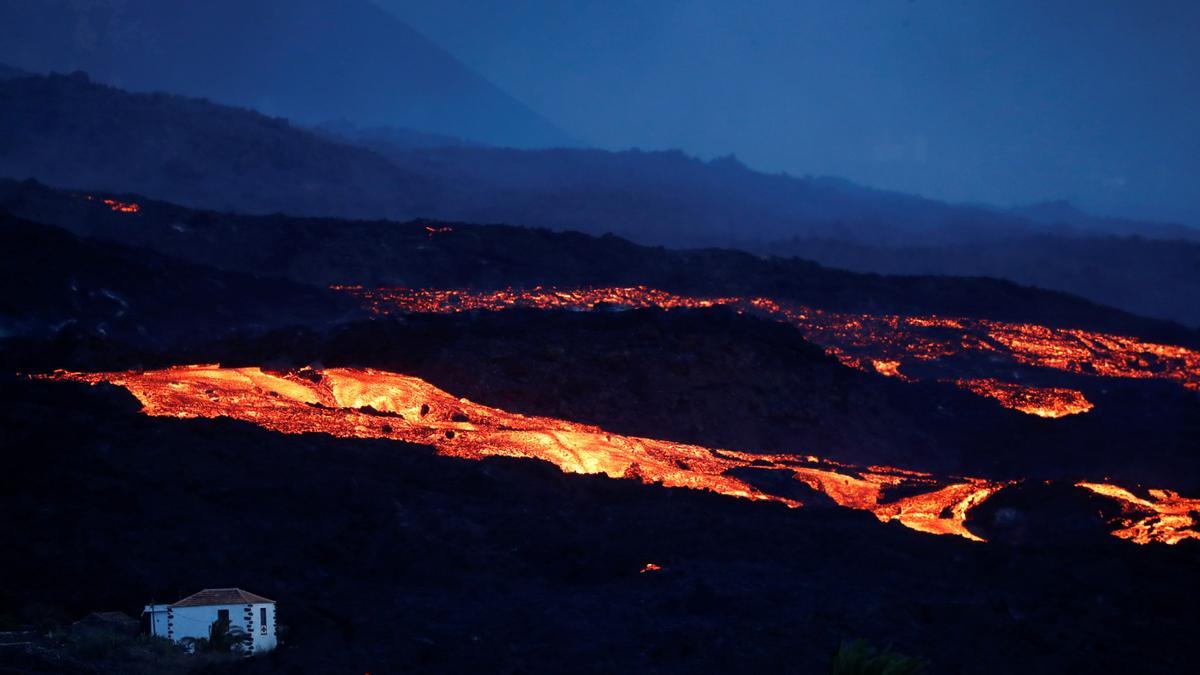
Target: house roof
[108,617]
[220,596]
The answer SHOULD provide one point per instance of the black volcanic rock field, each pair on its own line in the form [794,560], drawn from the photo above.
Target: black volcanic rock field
[324,251]
[709,377]
[57,284]
[715,378]
[387,559]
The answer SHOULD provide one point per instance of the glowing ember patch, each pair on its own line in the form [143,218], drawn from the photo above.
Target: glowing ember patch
[1040,401]
[882,343]
[924,512]
[1163,517]
[888,367]
[120,207]
[1088,353]
[364,403]
[651,567]
[431,230]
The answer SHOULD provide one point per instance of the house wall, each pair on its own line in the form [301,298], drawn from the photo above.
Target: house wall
[194,622]
[264,640]
[158,619]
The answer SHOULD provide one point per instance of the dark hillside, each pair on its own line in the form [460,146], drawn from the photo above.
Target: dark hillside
[1145,276]
[274,56]
[671,199]
[384,253]
[56,285]
[384,558]
[70,131]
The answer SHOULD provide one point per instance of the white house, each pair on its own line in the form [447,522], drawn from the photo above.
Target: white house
[193,616]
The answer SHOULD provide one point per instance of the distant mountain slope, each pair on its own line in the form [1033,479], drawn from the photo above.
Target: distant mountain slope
[308,60]
[1150,277]
[70,131]
[451,255]
[1065,213]
[344,131]
[669,198]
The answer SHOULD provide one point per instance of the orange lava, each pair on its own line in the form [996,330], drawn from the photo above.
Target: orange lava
[878,343]
[120,207]
[1163,517]
[651,567]
[431,230]
[1040,401]
[364,403]
[1103,354]
[888,367]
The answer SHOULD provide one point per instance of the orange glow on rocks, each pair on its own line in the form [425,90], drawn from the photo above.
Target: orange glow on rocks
[1162,516]
[1040,401]
[122,207]
[364,403]
[1088,353]
[651,567]
[119,207]
[888,367]
[875,343]
[940,508]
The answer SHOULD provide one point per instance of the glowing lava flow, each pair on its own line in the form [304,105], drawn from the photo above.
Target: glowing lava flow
[889,368]
[122,207]
[1089,353]
[878,343]
[119,207]
[364,403]
[1165,516]
[1040,401]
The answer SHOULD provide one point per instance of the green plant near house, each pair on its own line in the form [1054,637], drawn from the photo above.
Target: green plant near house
[223,637]
[857,657]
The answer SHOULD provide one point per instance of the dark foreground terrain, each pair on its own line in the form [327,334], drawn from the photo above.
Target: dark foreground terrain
[385,558]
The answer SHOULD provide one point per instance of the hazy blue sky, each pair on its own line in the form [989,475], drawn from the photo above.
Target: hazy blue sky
[1007,102]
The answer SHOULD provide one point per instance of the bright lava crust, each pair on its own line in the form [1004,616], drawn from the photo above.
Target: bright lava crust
[878,343]
[365,403]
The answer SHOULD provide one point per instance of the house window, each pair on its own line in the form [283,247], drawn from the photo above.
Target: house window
[222,615]
[262,619]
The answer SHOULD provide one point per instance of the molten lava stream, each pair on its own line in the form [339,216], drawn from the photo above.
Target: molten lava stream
[120,207]
[879,343]
[1040,401]
[1165,516]
[364,403]
[883,344]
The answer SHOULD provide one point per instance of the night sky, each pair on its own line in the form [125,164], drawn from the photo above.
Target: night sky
[1011,102]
